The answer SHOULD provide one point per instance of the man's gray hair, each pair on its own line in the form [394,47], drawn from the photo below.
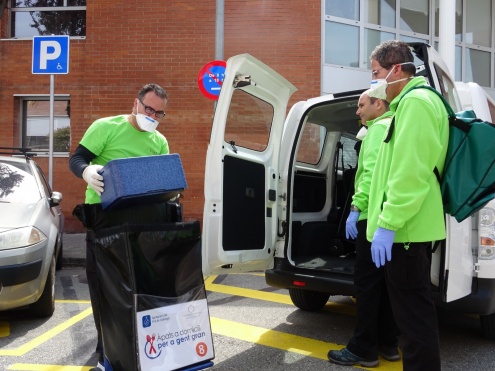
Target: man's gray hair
[157,89]
[393,52]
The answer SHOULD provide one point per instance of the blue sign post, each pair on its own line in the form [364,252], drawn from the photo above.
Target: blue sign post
[50,55]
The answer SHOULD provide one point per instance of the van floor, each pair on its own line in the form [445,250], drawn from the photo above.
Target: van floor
[340,264]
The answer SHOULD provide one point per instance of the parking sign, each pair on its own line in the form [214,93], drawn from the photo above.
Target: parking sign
[50,55]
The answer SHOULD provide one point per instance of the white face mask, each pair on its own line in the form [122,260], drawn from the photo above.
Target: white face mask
[362,133]
[146,123]
[378,87]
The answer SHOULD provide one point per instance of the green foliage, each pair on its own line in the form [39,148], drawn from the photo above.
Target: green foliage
[61,140]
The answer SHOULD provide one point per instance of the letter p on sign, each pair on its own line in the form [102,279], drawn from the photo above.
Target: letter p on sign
[50,55]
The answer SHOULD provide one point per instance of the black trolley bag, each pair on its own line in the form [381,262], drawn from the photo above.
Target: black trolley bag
[148,259]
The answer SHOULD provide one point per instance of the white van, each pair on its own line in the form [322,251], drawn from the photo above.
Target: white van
[278,188]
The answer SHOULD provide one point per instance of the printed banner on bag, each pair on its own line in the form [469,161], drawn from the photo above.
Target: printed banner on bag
[174,336]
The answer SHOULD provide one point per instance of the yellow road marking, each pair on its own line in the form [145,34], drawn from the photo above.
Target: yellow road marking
[283,341]
[73,301]
[271,296]
[23,349]
[34,367]
[253,334]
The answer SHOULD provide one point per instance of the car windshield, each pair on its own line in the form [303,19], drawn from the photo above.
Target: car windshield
[17,183]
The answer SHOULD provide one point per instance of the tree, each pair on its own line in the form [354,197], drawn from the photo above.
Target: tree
[61,140]
[8,180]
[70,22]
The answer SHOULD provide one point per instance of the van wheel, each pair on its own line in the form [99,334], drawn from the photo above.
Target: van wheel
[308,300]
[488,326]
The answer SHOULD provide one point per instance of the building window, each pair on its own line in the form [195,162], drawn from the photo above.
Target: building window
[380,12]
[479,23]
[348,9]
[478,67]
[342,44]
[414,16]
[353,28]
[36,124]
[46,17]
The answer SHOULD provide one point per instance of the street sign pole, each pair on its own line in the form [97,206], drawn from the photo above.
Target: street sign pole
[51,56]
[51,129]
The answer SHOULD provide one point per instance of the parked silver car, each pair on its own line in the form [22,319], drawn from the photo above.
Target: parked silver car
[31,227]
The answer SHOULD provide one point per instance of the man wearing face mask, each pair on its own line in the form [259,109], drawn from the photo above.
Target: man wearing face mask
[109,138]
[405,212]
[375,332]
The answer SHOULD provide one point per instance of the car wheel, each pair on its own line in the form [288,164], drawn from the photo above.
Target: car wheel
[488,326]
[60,255]
[45,306]
[308,300]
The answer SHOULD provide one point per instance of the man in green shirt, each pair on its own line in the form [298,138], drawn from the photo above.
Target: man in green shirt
[375,332]
[405,211]
[109,138]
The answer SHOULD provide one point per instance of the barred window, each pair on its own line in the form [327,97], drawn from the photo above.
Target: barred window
[46,17]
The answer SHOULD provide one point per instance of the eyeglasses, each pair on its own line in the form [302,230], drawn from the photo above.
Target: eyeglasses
[151,111]
[375,72]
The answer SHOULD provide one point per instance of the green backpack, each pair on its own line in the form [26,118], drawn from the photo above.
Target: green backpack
[468,180]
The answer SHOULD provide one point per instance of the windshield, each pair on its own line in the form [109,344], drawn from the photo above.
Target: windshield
[17,183]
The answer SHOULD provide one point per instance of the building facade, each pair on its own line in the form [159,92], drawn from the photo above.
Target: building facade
[321,46]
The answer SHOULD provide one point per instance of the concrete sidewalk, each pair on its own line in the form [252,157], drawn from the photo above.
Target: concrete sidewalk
[74,250]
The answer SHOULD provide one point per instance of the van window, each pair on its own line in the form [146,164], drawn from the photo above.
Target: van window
[447,88]
[349,153]
[249,121]
[311,144]
[491,107]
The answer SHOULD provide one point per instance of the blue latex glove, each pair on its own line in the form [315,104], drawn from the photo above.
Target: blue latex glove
[350,225]
[381,246]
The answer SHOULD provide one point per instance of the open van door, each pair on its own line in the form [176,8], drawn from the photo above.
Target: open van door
[457,261]
[241,176]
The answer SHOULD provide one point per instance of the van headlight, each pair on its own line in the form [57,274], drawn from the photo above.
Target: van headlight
[486,229]
[20,237]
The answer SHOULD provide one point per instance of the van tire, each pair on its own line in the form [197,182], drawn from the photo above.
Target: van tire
[488,326]
[308,300]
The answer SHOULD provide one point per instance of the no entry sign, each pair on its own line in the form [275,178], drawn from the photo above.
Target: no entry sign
[210,79]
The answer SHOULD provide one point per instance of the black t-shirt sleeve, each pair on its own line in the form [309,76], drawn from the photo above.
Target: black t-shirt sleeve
[80,159]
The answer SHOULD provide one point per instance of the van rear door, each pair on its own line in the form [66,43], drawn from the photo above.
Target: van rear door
[241,177]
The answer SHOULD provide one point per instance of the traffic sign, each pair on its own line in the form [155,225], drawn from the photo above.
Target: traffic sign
[50,55]
[210,79]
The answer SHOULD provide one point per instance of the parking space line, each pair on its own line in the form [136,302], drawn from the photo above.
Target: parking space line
[23,349]
[35,367]
[341,308]
[283,341]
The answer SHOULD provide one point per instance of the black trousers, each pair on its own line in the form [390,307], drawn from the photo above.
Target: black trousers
[93,288]
[375,321]
[409,287]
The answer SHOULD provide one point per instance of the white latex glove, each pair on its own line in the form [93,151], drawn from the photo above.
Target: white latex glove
[95,180]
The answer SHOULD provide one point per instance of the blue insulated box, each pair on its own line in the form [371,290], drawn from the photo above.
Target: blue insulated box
[141,180]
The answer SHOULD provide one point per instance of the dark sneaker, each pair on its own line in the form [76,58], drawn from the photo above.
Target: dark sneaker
[345,358]
[99,367]
[390,354]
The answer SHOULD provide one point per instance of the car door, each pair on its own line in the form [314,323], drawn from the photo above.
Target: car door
[457,258]
[241,175]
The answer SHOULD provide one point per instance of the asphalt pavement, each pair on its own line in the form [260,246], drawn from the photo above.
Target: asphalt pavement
[74,250]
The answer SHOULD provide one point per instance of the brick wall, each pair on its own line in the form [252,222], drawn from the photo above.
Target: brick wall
[132,43]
